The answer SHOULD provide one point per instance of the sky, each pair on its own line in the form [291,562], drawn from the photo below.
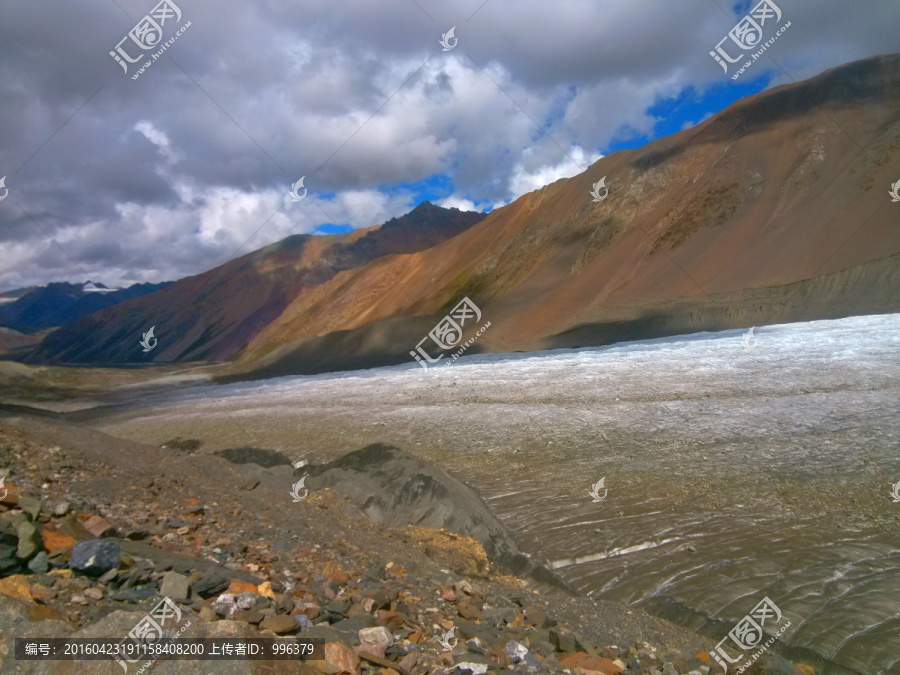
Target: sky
[125,176]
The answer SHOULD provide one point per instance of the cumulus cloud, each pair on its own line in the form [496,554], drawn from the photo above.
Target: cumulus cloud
[143,180]
[524,180]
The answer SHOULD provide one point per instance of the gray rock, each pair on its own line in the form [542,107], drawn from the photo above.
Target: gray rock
[95,557]
[225,605]
[354,625]
[109,576]
[61,509]
[9,563]
[379,635]
[475,645]
[498,616]
[515,651]
[246,600]
[9,544]
[30,541]
[566,642]
[40,564]
[210,584]
[135,595]
[175,586]
[31,506]
[341,607]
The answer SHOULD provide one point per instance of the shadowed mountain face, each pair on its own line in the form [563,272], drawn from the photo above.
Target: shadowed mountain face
[59,304]
[775,210]
[214,314]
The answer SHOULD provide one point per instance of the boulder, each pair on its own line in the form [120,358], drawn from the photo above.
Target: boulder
[394,489]
[95,557]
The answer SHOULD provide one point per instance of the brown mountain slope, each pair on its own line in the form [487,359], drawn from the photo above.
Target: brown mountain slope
[775,210]
[214,314]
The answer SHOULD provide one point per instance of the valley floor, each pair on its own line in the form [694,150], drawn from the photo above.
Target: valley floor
[735,469]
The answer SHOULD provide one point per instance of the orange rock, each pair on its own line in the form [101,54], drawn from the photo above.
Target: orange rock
[388,671]
[98,526]
[393,620]
[341,656]
[54,541]
[236,587]
[43,613]
[265,590]
[16,586]
[414,637]
[42,593]
[571,660]
[310,609]
[594,665]
[11,498]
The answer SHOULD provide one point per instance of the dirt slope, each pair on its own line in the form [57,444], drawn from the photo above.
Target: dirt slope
[776,209]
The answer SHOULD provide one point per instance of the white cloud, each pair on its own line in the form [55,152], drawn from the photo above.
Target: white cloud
[454,202]
[524,181]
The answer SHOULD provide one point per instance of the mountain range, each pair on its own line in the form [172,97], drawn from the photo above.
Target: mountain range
[213,315]
[30,310]
[774,210]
